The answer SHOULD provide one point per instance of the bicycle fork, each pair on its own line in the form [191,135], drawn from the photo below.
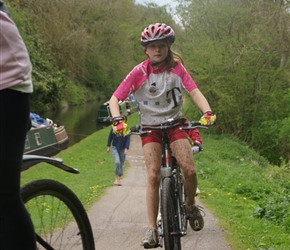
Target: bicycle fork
[180,201]
[179,194]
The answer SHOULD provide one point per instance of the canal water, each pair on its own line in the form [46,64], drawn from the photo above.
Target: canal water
[79,121]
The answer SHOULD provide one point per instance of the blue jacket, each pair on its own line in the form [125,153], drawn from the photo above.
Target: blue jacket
[120,142]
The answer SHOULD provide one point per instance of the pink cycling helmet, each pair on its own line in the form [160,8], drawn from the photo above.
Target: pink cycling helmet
[157,31]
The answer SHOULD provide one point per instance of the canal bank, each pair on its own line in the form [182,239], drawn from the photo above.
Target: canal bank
[90,157]
[79,121]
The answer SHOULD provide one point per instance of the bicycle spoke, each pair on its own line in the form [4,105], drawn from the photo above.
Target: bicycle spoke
[59,218]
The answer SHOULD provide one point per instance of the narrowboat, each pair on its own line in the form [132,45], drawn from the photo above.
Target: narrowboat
[127,107]
[45,137]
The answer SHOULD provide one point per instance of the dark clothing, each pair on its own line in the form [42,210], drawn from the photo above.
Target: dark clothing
[3,8]
[120,142]
[16,230]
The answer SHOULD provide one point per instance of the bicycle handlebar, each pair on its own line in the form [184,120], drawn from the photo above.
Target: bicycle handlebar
[182,123]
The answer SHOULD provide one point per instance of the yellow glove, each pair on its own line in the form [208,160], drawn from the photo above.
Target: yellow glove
[120,128]
[207,119]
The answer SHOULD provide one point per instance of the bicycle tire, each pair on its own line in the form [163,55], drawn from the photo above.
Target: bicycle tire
[168,211]
[59,218]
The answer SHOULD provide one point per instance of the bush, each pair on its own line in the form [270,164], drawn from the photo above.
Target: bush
[275,209]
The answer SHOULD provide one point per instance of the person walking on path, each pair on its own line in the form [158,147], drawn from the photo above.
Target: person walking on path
[157,84]
[120,146]
[16,228]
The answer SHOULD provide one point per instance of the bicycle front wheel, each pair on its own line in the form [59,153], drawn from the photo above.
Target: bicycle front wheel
[59,218]
[169,215]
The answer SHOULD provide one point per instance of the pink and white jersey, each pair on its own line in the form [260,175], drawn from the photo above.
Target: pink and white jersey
[157,91]
[15,65]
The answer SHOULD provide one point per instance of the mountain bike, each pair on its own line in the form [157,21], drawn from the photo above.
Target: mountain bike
[59,218]
[173,219]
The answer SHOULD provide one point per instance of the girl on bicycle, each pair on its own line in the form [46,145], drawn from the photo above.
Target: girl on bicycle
[157,84]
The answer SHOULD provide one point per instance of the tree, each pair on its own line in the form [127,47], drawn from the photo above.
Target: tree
[239,58]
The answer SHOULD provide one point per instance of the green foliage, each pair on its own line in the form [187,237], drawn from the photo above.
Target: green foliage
[239,66]
[95,43]
[275,209]
[75,94]
[236,51]
[249,196]
[48,80]
[48,91]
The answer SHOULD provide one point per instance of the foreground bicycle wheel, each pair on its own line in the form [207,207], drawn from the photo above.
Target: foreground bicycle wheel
[59,218]
[168,210]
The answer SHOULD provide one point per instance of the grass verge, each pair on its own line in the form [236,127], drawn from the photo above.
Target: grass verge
[249,196]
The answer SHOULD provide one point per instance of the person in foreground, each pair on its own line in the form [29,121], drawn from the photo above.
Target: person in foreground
[157,84]
[16,229]
[120,147]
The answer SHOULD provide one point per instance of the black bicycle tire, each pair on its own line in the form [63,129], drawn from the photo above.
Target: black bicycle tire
[59,193]
[169,218]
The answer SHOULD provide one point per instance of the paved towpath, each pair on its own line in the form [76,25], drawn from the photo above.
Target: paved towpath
[119,219]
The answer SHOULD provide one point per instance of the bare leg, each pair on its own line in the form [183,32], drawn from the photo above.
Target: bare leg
[117,178]
[182,152]
[152,155]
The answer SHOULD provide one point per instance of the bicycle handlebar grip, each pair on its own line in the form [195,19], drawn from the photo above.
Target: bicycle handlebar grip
[195,123]
[135,129]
